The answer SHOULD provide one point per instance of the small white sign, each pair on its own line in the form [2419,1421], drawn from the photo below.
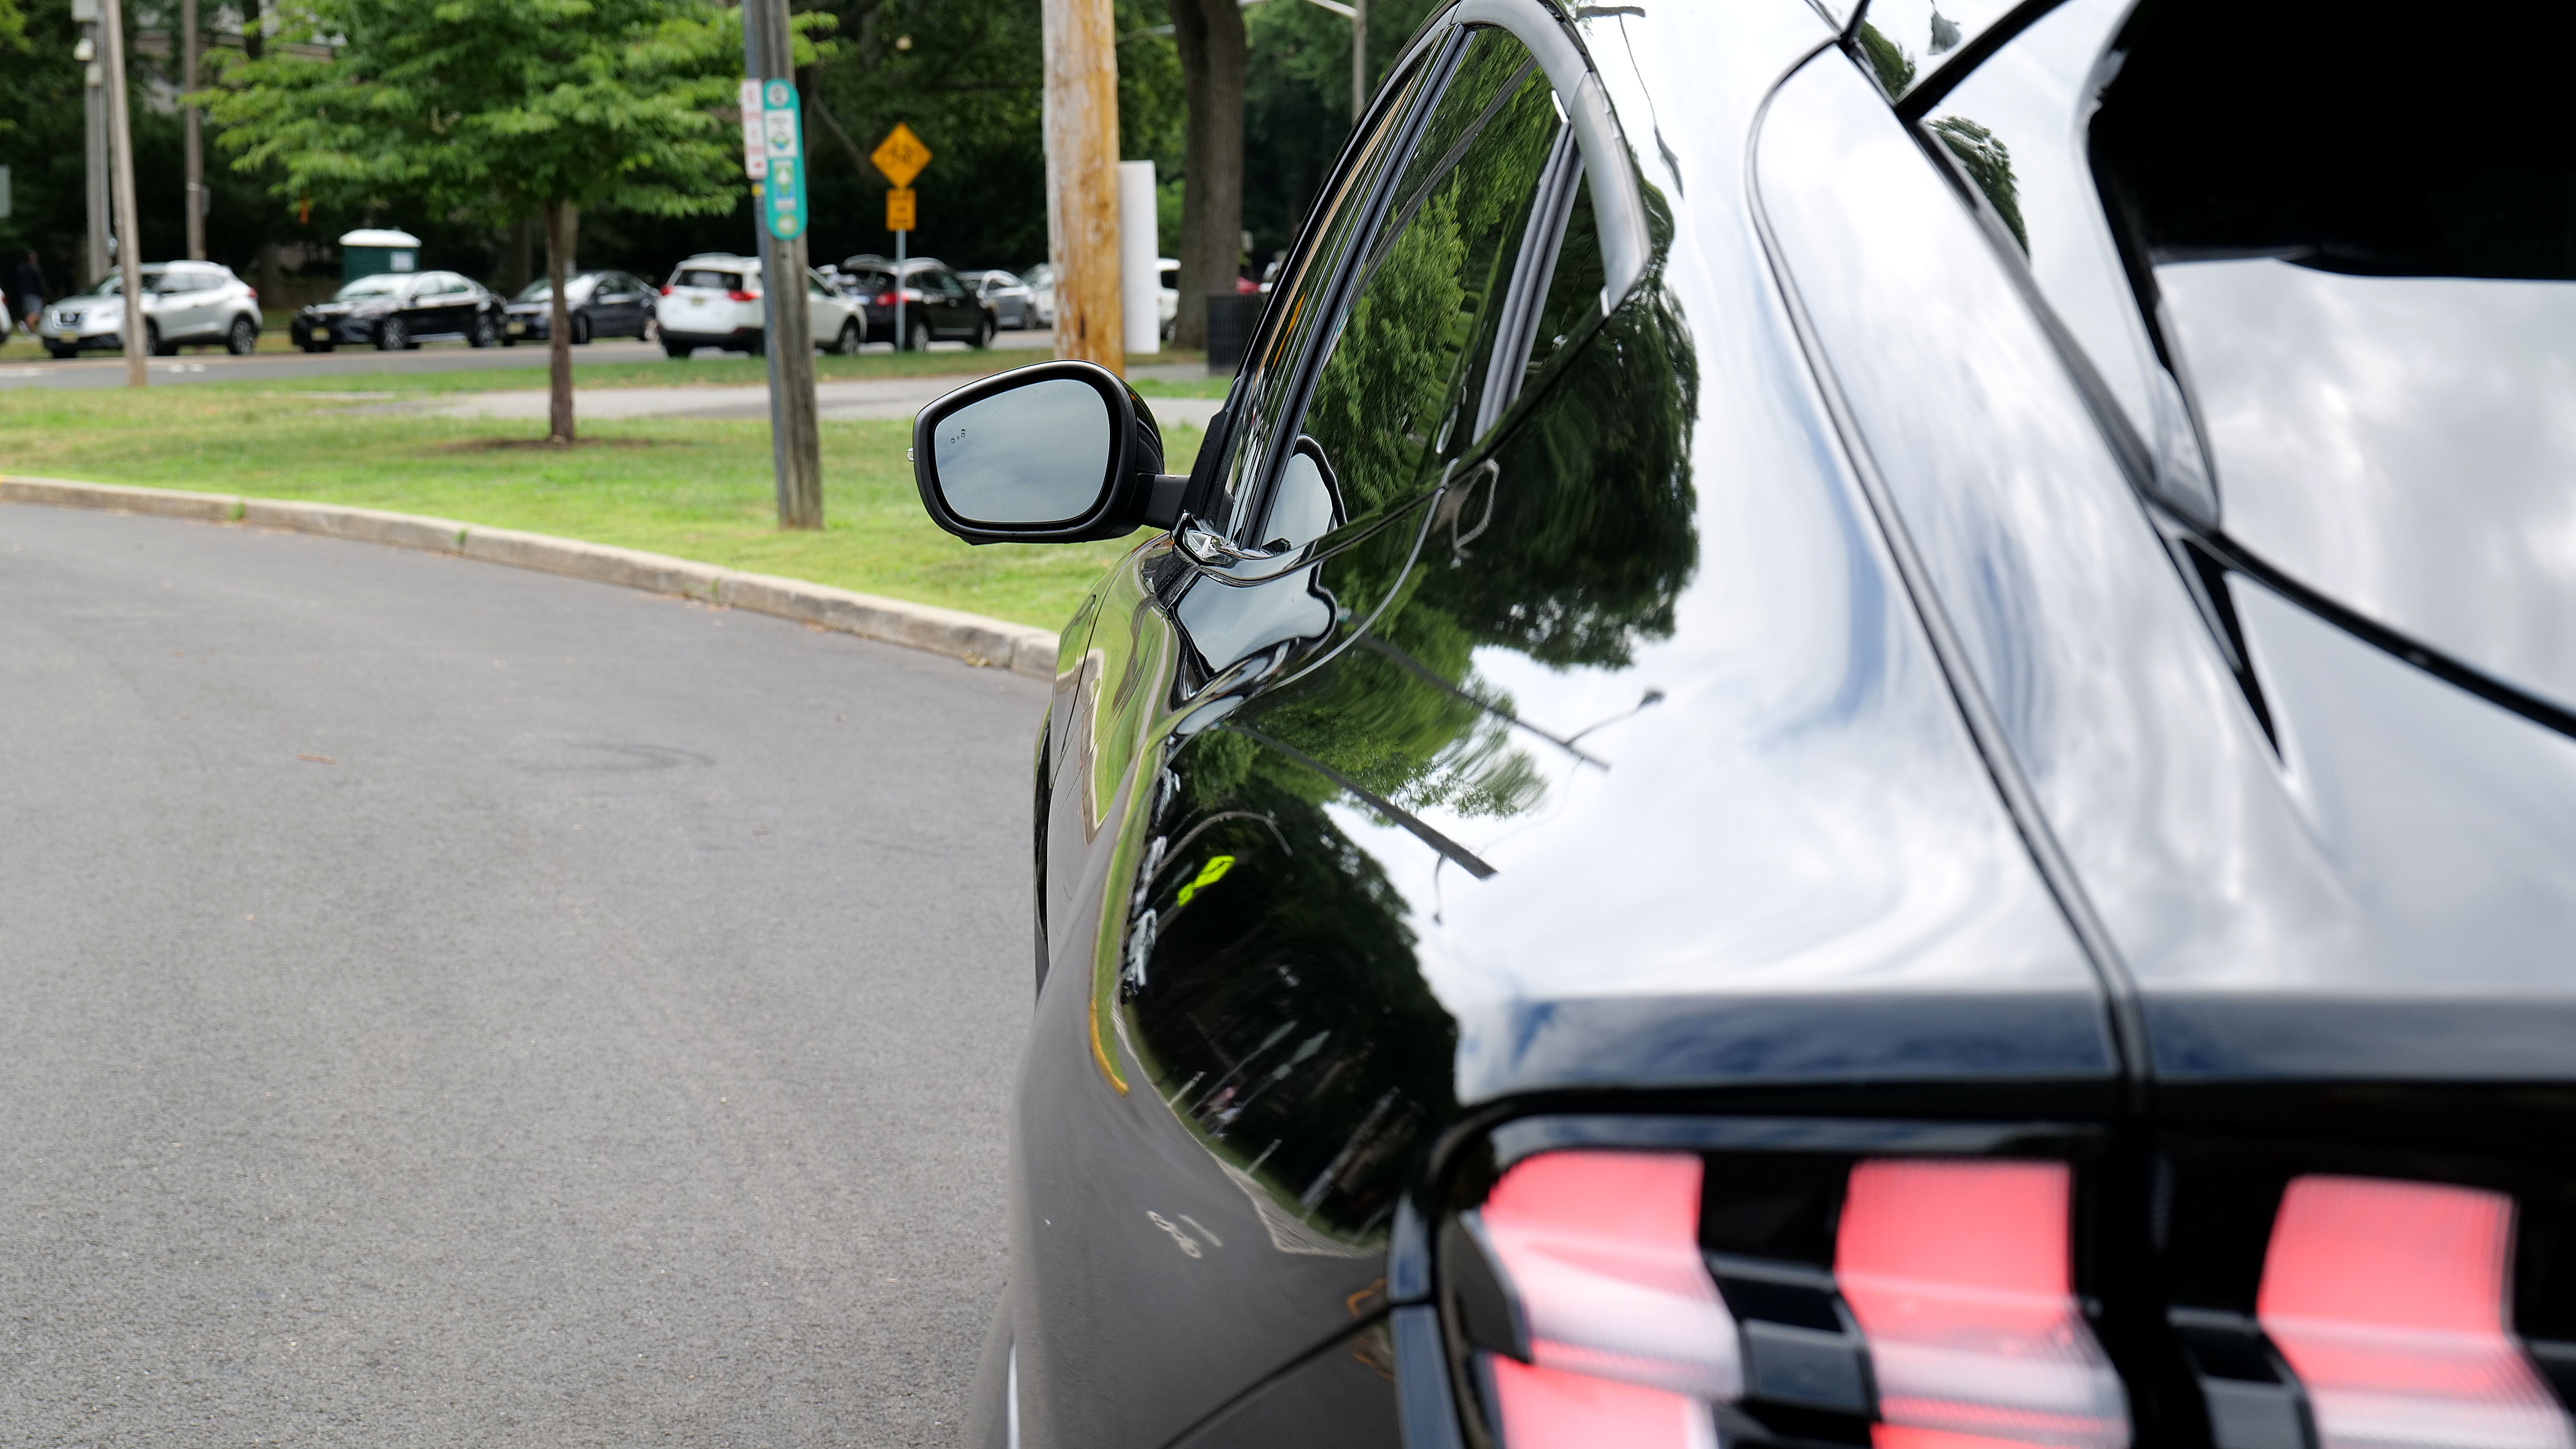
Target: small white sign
[755,145]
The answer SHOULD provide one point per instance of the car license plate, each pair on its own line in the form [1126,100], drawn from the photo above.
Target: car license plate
[518,327]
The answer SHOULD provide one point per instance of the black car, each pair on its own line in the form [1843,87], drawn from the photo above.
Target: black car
[937,306]
[602,304]
[400,310]
[1858,733]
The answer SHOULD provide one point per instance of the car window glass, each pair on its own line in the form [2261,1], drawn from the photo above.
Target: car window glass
[1575,281]
[712,280]
[1399,380]
[2373,311]
[1308,289]
[1904,41]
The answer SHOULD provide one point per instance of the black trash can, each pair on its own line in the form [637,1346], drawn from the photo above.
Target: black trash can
[1231,318]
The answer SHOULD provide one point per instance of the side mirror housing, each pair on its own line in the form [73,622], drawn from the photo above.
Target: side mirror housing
[1059,452]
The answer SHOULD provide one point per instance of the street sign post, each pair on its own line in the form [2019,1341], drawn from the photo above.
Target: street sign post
[755,133]
[782,133]
[900,156]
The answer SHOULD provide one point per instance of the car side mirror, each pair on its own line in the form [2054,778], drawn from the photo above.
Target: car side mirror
[1059,452]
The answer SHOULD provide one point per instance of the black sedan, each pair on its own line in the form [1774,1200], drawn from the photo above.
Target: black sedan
[398,310]
[937,306]
[602,304]
[1858,733]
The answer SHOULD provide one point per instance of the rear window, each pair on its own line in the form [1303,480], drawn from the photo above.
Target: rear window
[2356,244]
[708,278]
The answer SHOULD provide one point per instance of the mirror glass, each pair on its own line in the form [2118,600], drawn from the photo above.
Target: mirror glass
[1034,454]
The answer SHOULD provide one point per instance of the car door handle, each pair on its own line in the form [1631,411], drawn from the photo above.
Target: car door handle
[1215,550]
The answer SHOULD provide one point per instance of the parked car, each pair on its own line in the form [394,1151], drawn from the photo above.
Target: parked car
[602,304]
[1874,748]
[717,299]
[1167,294]
[1040,280]
[938,307]
[397,311]
[1005,295]
[184,304]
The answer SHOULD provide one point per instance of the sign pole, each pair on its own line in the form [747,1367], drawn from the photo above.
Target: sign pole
[787,340]
[900,156]
[129,231]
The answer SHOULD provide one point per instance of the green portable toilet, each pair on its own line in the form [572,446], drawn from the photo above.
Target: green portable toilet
[365,253]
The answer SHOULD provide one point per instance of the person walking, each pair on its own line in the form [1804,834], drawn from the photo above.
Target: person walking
[27,289]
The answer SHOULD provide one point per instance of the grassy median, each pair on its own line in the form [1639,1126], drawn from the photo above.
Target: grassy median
[698,489]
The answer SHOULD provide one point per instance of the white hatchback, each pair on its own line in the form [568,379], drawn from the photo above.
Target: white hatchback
[717,300]
[184,304]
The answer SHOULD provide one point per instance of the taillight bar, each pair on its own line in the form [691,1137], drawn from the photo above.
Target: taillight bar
[1956,1275]
[2387,1299]
[1654,1298]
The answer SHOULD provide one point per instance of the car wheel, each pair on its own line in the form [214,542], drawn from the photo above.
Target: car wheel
[916,337]
[61,354]
[984,330]
[242,338]
[676,351]
[485,331]
[847,342]
[152,341]
[580,329]
[651,331]
[393,335]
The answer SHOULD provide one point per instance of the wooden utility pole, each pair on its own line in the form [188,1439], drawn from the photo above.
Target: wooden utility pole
[1082,180]
[129,231]
[795,442]
[192,136]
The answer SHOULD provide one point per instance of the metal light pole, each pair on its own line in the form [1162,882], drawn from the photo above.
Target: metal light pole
[795,442]
[129,234]
[190,120]
[94,167]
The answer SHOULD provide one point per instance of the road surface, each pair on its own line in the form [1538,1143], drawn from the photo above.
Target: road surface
[22,365]
[834,402]
[448,1005]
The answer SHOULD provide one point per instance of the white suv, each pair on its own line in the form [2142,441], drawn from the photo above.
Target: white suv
[717,300]
[184,304]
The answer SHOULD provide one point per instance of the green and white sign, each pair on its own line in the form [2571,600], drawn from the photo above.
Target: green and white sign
[782,197]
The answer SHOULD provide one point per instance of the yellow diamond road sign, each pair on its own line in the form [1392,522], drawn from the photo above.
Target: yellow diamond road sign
[901,155]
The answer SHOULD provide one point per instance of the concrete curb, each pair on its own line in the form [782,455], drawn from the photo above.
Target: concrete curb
[972,638]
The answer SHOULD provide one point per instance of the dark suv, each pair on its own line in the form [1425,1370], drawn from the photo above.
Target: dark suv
[1858,733]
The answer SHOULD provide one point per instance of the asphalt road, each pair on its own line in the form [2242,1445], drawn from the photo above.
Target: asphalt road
[447,1005]
[22,365]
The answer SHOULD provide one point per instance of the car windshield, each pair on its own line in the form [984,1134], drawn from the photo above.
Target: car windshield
[712,280]
[536,291]
[383,285]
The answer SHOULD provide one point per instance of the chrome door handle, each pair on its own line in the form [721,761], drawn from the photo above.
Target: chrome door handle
[1215,550]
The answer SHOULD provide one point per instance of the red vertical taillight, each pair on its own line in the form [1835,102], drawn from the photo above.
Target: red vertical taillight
[2387,1299]
[1959,1274]
[1628,1339]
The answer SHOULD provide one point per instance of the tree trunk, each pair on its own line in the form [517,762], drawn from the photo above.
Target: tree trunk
[563,223]
[518,245]
[254,28]
[1213,60]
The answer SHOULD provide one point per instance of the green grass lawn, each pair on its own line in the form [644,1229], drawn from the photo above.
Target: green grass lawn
[701,490]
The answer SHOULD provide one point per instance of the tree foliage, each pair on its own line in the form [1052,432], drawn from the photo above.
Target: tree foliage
[498,105]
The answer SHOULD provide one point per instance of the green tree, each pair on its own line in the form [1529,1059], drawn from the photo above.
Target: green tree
[504,107]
